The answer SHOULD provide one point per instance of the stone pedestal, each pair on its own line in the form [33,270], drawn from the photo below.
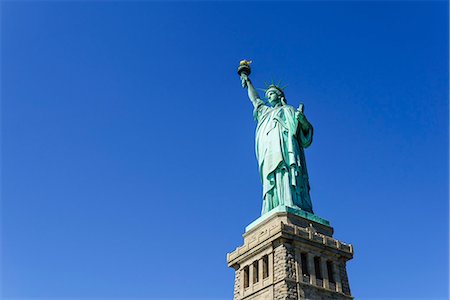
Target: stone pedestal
[286,256]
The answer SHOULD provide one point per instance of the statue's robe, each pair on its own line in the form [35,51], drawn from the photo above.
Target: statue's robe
[281,159]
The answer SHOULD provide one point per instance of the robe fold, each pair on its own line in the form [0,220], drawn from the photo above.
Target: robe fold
[281,159]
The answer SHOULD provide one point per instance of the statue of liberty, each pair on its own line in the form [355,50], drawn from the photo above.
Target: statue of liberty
[282,133]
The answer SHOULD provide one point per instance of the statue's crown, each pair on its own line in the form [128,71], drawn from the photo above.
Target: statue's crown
[277,87]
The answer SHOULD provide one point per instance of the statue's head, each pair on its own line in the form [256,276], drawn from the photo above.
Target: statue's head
[275,95]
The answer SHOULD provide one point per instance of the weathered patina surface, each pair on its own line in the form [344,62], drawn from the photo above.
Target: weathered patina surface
[282,133]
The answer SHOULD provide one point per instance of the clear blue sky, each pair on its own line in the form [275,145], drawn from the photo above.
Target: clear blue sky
[128,165]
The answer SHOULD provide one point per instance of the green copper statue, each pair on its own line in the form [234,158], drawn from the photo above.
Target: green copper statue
[281,135]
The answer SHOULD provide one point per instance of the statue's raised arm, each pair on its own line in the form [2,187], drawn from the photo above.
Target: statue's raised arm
[244,71]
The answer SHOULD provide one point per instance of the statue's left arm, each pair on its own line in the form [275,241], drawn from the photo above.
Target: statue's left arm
[304,129]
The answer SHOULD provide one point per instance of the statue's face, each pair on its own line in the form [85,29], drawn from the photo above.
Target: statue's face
[273,97]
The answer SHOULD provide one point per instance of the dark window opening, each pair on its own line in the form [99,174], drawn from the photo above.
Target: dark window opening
[317,267]
[304,260]
[265,261]
[246,277]
[330,271]
[255,271]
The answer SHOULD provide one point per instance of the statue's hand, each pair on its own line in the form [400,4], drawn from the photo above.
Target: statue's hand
[302,119]
[244,80]
[300,116]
